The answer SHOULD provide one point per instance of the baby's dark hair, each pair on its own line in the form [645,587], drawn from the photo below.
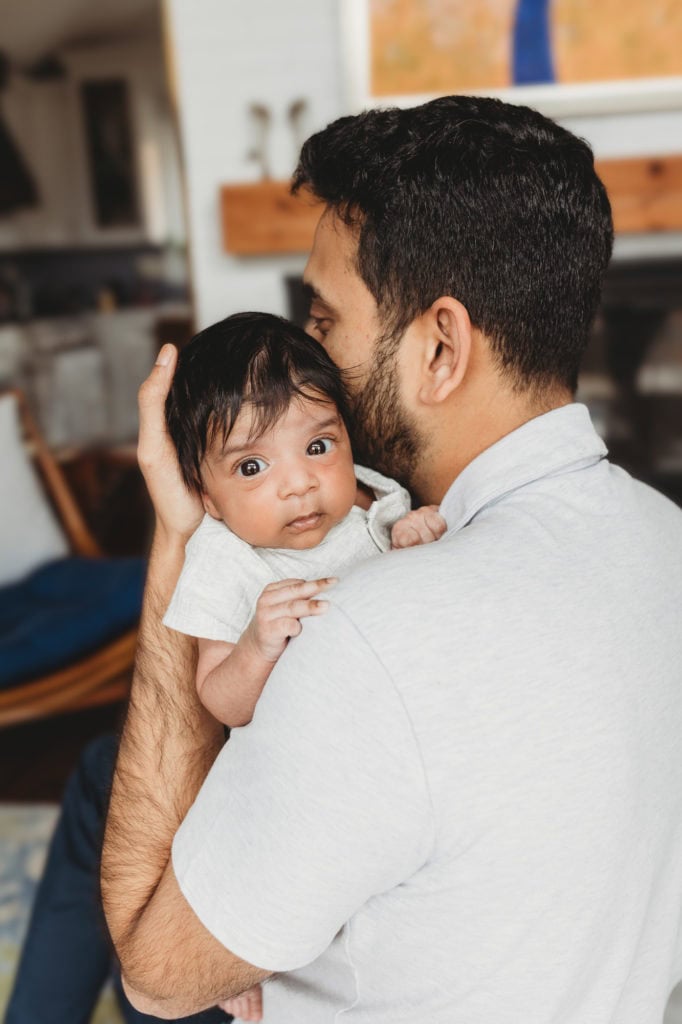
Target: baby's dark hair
[253,358]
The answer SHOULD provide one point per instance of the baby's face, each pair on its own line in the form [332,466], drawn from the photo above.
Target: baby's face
[288,487]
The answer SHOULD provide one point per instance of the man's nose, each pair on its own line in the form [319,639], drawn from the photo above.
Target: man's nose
[298,477]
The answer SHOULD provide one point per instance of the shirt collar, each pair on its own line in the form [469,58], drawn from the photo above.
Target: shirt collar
[561,440]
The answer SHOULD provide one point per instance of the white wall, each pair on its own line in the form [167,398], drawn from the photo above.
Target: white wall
[229,54]
[47,121]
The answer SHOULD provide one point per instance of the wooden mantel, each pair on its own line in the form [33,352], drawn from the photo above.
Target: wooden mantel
[645,192]
[263,218]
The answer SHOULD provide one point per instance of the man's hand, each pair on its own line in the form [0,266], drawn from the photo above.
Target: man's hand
[421,526]
[178,511]
[278,612]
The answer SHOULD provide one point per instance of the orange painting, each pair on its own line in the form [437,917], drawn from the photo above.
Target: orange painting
[432,46]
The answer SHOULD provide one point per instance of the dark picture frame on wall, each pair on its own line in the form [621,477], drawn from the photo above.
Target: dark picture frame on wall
[111,152]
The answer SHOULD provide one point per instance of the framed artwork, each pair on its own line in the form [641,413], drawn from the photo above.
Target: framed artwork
[110,152]
[561,56]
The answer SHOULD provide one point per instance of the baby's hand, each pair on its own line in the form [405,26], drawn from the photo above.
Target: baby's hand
[278,611]
[421,526]
[247,1006]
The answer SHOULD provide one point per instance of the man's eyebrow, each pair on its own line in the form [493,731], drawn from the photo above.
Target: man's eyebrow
[313,294]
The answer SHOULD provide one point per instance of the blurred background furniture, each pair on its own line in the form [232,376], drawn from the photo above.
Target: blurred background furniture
[68,615]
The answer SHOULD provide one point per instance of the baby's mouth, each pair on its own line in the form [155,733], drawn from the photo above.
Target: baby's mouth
[307,522]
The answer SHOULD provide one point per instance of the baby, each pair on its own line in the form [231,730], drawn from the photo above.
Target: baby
[257,413]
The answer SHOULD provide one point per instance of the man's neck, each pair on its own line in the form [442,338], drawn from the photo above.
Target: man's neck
[472,428]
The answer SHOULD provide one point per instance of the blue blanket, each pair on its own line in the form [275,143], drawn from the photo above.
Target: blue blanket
[65,610]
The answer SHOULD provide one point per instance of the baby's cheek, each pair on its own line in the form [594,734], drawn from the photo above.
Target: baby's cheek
[336,458]
[347,491]
[252,519]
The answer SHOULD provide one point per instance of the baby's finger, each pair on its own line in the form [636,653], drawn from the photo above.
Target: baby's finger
[233,1006]
[243,1007]
[294,590]
[276,585]
[296,608]
[425,533]
[247,1006]
[405,535]
[254,997]
[435,522]
[290,627]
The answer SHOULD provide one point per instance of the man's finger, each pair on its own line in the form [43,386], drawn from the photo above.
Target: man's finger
[152,400]
[159,380]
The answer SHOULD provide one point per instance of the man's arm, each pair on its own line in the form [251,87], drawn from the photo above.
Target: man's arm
[171,964]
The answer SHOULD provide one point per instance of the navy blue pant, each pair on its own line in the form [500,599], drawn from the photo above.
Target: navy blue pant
[67,955]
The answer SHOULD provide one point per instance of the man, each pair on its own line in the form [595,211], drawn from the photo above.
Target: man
[459,797]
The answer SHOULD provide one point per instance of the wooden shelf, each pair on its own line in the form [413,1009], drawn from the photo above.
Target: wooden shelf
[645,192]
[263,218]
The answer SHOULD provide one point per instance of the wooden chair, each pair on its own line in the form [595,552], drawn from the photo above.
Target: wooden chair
[100,677]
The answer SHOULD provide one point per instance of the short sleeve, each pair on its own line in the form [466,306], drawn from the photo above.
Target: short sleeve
[218,587]
[310,810]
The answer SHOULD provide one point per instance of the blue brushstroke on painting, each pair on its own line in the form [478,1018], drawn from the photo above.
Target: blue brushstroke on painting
[532,51]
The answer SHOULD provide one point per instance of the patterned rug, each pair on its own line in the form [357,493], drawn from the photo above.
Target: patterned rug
[25,831]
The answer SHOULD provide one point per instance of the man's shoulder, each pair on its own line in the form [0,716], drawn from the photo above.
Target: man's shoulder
[651,522]
[652,501]
[397,579]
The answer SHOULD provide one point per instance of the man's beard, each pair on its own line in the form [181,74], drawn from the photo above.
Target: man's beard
[381,433]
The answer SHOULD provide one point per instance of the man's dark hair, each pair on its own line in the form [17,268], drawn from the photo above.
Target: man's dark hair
[253,358]
[492,204]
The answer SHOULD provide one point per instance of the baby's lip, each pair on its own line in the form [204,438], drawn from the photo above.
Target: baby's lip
[306,522]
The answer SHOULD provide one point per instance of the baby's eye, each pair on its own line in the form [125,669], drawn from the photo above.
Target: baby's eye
[320,446]
[251,467]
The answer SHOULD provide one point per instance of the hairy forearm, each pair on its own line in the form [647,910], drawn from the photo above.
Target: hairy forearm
[231,690]
[168,744]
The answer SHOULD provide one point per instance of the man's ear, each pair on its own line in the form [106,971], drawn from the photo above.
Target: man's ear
[446,351]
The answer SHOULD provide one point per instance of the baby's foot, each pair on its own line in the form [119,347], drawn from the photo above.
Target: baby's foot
[247,1006]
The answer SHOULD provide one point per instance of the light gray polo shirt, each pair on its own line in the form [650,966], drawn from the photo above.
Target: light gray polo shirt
[460,798]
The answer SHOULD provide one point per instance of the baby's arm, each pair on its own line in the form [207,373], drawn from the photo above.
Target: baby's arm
[231,677]
[420,526]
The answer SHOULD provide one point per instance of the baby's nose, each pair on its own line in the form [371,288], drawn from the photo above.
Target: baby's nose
[298,479]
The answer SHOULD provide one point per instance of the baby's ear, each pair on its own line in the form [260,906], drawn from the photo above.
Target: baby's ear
[209,507]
